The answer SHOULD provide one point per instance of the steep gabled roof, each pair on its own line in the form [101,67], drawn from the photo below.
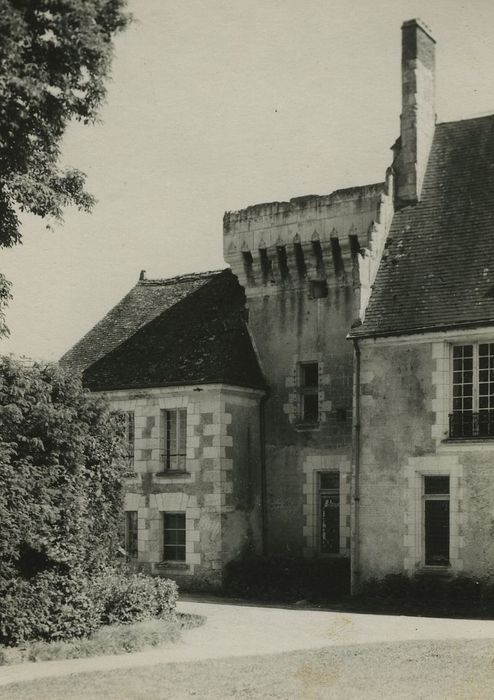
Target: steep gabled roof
[145,301]
[437,270]
[196,335]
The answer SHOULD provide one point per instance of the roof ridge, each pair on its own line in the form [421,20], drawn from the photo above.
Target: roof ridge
[181,278]
[476,117]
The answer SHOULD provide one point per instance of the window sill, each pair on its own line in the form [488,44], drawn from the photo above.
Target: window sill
[172,474]
[303,427]
[474,438]
[172,566]
[466,444]
[445,570]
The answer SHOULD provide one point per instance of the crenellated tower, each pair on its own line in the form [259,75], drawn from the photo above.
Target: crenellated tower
[307,266]
[313,245]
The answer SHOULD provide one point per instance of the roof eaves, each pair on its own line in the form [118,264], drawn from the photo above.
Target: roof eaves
[159,385]
[355,334]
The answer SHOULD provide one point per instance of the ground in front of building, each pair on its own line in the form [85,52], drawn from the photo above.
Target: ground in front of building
[255,652]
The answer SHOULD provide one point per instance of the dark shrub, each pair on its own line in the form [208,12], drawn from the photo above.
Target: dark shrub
[281,578]
[464,589]
[58,606]
[131,597]
[396,586]
[426,587]
[428,593]
[50,606]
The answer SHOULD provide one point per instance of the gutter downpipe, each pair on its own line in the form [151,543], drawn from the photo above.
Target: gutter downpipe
[355,558]
[264,513]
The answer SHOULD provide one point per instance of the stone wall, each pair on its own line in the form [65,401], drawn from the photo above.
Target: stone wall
[303,265]
[405,402]
[222,464]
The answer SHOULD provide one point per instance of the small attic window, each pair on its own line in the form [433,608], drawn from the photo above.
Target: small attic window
[299,259]
[282,262]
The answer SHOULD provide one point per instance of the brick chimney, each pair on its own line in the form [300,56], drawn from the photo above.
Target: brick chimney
[418,116]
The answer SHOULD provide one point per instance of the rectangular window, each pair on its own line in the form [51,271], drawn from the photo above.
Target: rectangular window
[174,536]
[175,439]
[473,391]
[436,520]
[131,533]
[130,436]
[309,392]
[329,512]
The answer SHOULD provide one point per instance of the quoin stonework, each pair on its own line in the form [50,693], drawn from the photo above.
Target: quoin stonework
[331,393]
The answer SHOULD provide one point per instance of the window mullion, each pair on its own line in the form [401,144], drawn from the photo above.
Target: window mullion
[475,388]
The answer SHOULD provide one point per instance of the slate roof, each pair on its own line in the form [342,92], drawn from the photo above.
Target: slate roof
[437,270]
[186,330]
[144,302]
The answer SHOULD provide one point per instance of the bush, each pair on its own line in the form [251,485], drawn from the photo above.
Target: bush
[56,606]
[131,597]
[281,578]
[50,606]
[427,593]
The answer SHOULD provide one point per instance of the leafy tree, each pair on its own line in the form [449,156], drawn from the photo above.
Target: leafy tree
[61,466]
[62,461]
[55,56]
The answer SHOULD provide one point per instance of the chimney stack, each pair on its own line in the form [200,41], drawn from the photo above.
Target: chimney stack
[418,116]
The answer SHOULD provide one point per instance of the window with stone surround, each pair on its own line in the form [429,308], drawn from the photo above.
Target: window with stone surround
[472,406]
[329,512]
[309,392]
[436,516]
[130,436]
[131,529]
[174,423]
[174,537]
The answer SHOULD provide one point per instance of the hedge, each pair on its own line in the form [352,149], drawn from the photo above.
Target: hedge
[55,606]
[289,579]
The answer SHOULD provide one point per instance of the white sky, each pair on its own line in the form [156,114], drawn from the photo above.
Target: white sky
[218,104]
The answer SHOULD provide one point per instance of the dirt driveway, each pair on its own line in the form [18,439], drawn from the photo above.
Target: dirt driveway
[241,631]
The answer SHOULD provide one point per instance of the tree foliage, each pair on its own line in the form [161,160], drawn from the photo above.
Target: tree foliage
[55,56]
[62,461]
[61,465]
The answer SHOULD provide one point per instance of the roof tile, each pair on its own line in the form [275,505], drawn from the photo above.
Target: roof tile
[194,332]
[437,270]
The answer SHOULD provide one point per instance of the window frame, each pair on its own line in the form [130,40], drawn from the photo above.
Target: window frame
[474,428]
[320,491]
[131,522]
[174,461]
[308,390]
[429,498]
[175,545]
[130,437]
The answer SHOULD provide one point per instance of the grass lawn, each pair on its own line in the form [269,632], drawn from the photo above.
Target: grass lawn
[456,670]
[109,639]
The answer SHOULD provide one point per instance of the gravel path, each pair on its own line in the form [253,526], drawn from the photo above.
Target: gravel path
[238,631]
